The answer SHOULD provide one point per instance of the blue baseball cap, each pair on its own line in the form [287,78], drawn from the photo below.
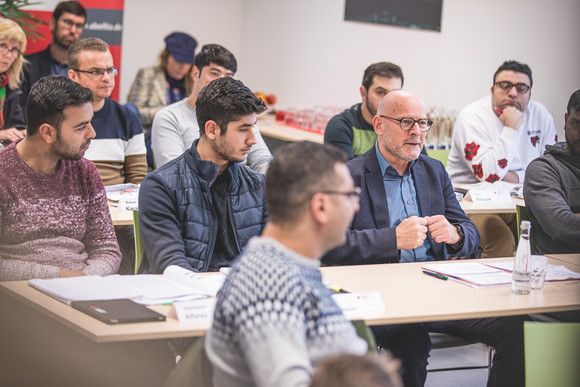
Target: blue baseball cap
[181,46]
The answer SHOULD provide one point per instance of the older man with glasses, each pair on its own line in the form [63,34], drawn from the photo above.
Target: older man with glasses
[495,139]
[409,213]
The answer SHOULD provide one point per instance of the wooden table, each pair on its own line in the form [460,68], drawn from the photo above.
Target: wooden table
[45,342]
[271,128]
[571,261]
[411,296]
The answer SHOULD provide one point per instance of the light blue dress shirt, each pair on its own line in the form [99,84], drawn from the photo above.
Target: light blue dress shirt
[402,203]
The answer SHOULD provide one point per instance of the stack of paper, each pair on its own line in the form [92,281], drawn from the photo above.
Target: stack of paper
[554,273]
[472,273]
[176,284]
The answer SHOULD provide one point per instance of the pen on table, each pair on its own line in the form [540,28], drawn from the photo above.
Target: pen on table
[337,289]
[498,110]
[436,275]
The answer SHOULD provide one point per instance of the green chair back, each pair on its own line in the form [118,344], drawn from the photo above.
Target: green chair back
[366,334]
[552,354]
[522,214]
[439,154]
[139,248]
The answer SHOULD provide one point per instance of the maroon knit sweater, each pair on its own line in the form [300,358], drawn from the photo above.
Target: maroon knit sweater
[53,221]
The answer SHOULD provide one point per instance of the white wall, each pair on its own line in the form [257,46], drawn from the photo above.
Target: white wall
[304,52]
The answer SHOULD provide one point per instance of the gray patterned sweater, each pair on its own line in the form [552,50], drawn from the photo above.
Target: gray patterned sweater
[275,320]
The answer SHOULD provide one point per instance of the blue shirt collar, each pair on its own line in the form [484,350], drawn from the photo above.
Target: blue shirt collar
[384,164]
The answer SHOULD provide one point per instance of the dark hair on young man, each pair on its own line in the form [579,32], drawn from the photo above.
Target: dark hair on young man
[512,65]
[214,53]
[382,69]
[87,44]
[298,171]
[48,98]
[225,100]
[73,7]
[574,102]
[349,370]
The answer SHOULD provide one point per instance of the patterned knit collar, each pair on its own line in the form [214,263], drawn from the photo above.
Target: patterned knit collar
[310,263]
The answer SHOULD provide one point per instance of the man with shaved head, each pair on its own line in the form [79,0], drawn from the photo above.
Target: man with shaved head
[409,213]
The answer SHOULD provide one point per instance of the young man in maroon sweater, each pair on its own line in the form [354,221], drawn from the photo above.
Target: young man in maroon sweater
[54,217]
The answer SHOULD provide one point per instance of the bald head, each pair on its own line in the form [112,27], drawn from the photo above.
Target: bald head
[399,102]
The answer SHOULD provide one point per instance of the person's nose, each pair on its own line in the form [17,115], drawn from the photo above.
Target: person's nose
[251,139]
[91,132]
[415,131]
[513,92]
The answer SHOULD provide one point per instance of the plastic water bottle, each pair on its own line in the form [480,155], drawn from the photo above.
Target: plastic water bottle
[522,263]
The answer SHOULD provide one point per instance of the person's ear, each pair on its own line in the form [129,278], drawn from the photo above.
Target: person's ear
[212,129]
[48,133]
[363,93]
[73,75]
[195,73]
[319,208]
[378,125]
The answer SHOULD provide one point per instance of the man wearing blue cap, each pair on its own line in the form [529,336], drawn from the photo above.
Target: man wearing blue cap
[158,86]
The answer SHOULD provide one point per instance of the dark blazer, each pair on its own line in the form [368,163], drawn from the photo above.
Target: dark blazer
[371,240]
[38,66]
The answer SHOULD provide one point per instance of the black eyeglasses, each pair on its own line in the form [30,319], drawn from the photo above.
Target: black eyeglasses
[98,73]
[521,88]
[406,123]
[351,194]
[69,23]
[14,51]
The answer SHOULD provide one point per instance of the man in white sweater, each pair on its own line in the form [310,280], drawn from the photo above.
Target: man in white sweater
[495,139]
[175,127]
[274,319]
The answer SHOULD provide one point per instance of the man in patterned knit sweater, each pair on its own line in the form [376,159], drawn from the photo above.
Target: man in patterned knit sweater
[274,319]
[54,217]
[495,139]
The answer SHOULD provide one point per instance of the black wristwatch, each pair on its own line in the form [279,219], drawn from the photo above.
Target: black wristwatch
[459,243]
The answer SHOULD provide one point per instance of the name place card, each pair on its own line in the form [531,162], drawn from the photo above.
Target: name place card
[358,306]
[195,310]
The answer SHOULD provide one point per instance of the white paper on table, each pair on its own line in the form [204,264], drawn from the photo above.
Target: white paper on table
[115,192]
[461,268]
[554,273]
[203,284]
[84,288]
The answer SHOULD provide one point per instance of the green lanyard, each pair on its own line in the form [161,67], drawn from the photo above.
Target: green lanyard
[2,92]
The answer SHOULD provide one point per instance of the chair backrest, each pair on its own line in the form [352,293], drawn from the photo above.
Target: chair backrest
[139,248]
[552,354]
[194,368]
[522,214]
[366,334]
[439,154]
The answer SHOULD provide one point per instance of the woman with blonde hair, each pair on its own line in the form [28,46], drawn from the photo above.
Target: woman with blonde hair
[12,47]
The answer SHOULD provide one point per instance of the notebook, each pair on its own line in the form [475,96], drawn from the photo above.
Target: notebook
[119,311]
